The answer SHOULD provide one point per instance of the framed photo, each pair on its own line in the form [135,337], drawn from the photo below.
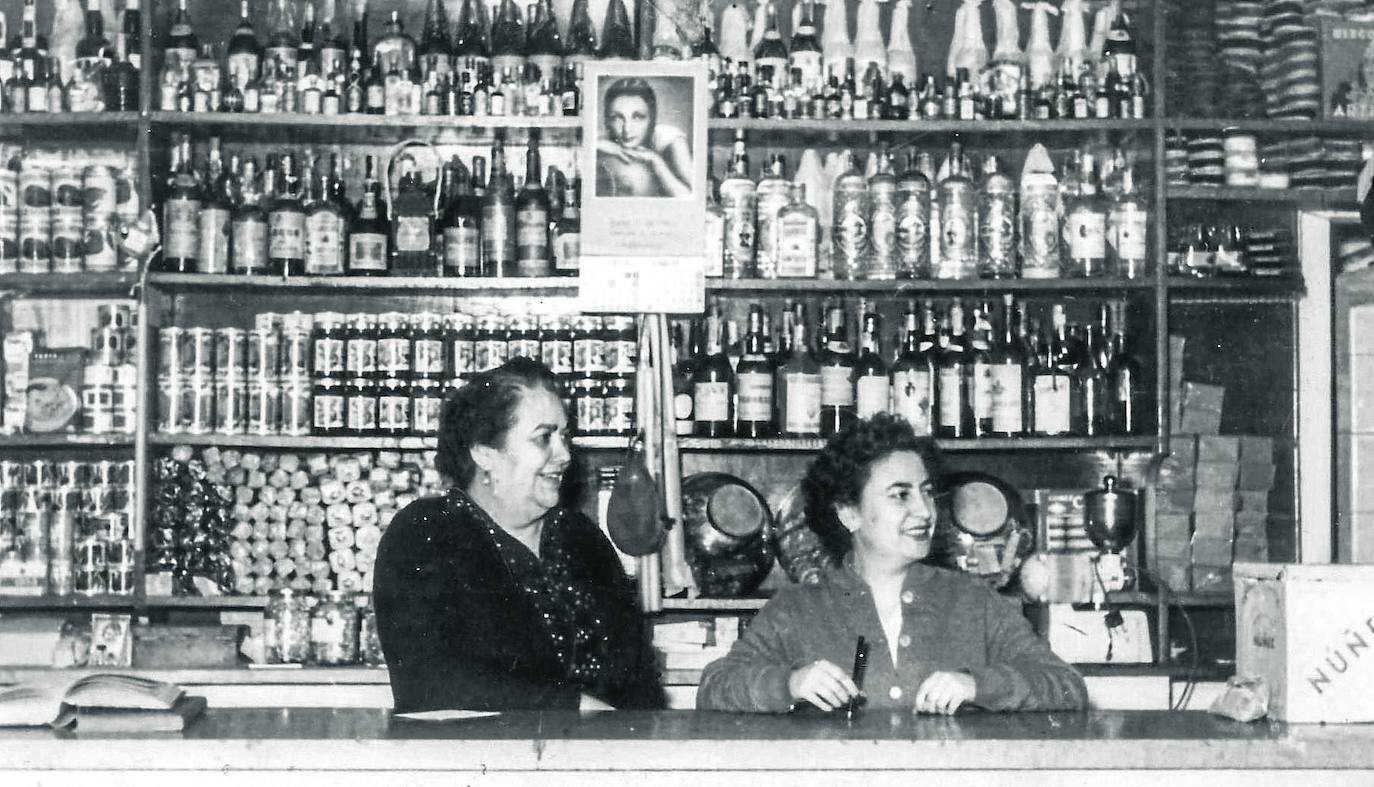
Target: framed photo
[644,154]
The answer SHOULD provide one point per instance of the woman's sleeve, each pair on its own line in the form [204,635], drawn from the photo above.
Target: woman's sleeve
[436,657]
[753,676]
[1022,673]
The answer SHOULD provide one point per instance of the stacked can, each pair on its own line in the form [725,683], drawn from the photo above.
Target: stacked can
[9,219]
[68,212]
[231,381]
[109,387]
[185,380]
[293,371]
[100,211]
[35,220]
[64,528]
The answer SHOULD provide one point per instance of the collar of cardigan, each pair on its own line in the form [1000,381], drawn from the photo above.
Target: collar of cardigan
[846,576]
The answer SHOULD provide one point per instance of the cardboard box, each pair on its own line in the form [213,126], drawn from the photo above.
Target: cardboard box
[1220,525]
[1196,420]
[1174,500]
[1218,448]
[1221,475]
[1211,579]
[1255,477]
[1183,449]
[1211,499]
[1175,574]
[1305,630]
[1253,549]
[1253,501]
[1344,89]
[1177,528]
[1252,523]
[1201,396]
[1259,450]
[1211,551]
[1174,473]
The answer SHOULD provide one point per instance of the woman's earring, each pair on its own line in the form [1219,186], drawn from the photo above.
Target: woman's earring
[486,477]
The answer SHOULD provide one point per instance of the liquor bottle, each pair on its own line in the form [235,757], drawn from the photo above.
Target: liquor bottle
[1128,229]
[245,53]
[1053,385]
[913,375]
[305,49]
[462,227]
[248,225]
[567,236]
[216,211]
[582,40]
[330,47]
[958,221]
[283,42]
[434,53]
[1085,223]
[394,51]
[913,222]
[532,211]
[798,231]
[882,220]
[1124,378]
[1008,382]
[326,229]
[714,234]
[872,390]
[739,200]
[412,226]
[799,392]
[1119,46]
[771,198]
[545,43]
[367,234]
[181,212]
[498,218]
[951,381]
[132,25]
[686,354]
[754,382]
[979,364]
[182,44]
[849,223]
[121,79]
[1090,415]
[471,43]
[617,37]
[94,54]
[837,375]
[771,51]
[1039,216]
[713,382]
[286,223]
[508,39]
[804,50]
[996,223]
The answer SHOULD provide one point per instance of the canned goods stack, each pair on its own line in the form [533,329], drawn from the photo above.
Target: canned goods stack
[331,629]
[109,386]
[382,374]
[64,528]
[61,212]
[307,523]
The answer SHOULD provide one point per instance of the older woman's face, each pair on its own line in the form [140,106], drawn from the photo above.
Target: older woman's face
[527,470]
[628,119]
[893,518]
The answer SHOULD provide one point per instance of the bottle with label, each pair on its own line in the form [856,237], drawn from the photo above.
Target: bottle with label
[958,221]
[978,362]
[567,240]
[872,389]
[1085,223]
[121,79]
[498,218]
[1008,377]
[326,229]
[1128,229]
[508,39]
[215,212]
[882,220]
[471,43]
[837,375]
[771,198]
[331,50]
[248,225]
[1053,384]
[462,224]
[412,226]
[913,375]
[286,223]
[93,56]
[804,53]
[1040,212]
[799,392]
[532,211]
[434,54]
[283,42]
[739,201]
[798,230]
[713,383]
[714,235]
[617,36]
[955,414]
[688,351]
[182,44]
[131,23]
[849,223]
[996,223]
[1090,414]
[1124,378]
[368,233]
[771,51]
[181,212]
[244,58]
[913,222]
[754,382]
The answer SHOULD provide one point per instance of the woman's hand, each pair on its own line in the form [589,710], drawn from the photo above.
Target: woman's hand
[944,692]
[822,684]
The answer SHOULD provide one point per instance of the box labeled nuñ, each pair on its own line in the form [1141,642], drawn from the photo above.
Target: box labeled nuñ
[1308,631]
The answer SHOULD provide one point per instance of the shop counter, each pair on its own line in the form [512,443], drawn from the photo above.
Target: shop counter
[241,745]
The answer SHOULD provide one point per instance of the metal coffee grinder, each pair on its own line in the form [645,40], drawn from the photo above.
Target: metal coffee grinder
[1110,516]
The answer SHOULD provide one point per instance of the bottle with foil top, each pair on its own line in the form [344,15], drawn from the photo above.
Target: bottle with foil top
[1127,228]
[739,201]
[1039,217]
[913,222]
[958,221]
[849,226]
[882,221]
[772,198]
[996,223]
[1085,222]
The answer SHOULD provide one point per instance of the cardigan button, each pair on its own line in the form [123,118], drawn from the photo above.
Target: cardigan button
[894,693]
[904,640]
[908,597]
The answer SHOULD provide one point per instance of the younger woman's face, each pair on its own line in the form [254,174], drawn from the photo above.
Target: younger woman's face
[894,518]
[627,118]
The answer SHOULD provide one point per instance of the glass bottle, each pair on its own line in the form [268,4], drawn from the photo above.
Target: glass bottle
[181,212]
[412,226]
[1090,414]
[882,221]
[567,241]
[1008,377]
[244,57]
[617,37]
[1128,229]
[286,223]
[837,375]
[958,221]
[754,382]
[1125,379]
[799,236]
[770,199]
[94,55]
[462,227]
[1085,223]
[913,222]
[771,52]
[248,224]
[686,354]
[955,416]
[508,39]
[804,51]
[713,382]
[182,44]
[800,390]
[532,211]
[132,26]
[1053,385]
[434,52]
[367,232]
[498,218]
[326,229]
[394,51]
[996,223]
[739,201]
[330,46]
[849,225]
[283,42]
[872,389]
[545,44]
[582,40]
[215,213]
[913,375]
[979,365]
[121,80]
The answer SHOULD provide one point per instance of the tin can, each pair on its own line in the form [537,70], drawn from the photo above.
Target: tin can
[103,471]
[40,473]
[73,473]
[619,409]
[169,403]
[360,401]
[393,407]
[621,345]
[107,346]
[263,352]
[91,553]
[231,404]
[67,213]
[121,579]
[114,315]
[98,218]
[125,408]
[294,353]
[589,348]
[264,407]
[295,406]
[35,220]
[426,403]
[12,473]
[201,410]
[97,409]
[90,581]
[33,520]
[9,221]
[231,352]
[120,552]
[198,360]
[589,407]
[328,407]
[170,347]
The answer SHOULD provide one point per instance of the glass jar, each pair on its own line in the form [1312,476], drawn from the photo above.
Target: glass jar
[369,643]
[288,628]
[589,407]
[329,337]
[427,347]
[621,345]
[490,343]
[460,353]
[589,348]
[523,339]
[618,409]
[555,345]
[426,403]
[334,630]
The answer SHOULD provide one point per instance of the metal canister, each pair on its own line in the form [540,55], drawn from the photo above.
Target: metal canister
[40,473]
[523,339]
[35,220]
[287,635]
[327,357]
[12,473]
[295,406]
[555,344]
[264,407]
[114,315]
[98,218]
[231,353]
[198,360]
[170,406]
[107,346]
[68,253]
[72,472]
[618,412]
[426,347]
[264,346]
[393,407]
[621,344]
[97,409]
[121,579]
[170,347]
[426,403]
[589,407]
[460,351]
[91,581]
[231,403]
[334,630]
[200,405]
[393,346]
[293,355]
[9,220]
[120,552]
[490,344]
[589,348]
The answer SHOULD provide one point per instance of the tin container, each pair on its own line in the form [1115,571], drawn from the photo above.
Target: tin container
[170,347]
[198,357]
[170,405]
[288,626]
[9,221]
[90,581]
[121,579]
[98,218]
[264,408]
[619,409]
[589,407]
[293,359]
[231,405]
[264,346]
[91,553]
[97,409]
[35,220]
[295,406]
[589,348]
[621,344]
[67,215]
[200,405]
[334,631]
[231,353]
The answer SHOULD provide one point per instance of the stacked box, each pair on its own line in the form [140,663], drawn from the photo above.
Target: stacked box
[1175,490]
[692,644]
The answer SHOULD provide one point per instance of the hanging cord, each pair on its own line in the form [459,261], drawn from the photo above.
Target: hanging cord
[1187,694]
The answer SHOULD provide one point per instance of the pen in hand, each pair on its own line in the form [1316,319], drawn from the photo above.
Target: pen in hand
[860,665]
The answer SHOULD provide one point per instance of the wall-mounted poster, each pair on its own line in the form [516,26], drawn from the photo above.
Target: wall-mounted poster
[644,152]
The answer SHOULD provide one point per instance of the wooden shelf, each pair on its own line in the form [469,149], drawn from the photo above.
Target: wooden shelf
[1194,600]
[68,602]
[1304,197]
[206,602]
[346,443]
[901,288]
[107,124]
[419,285]
[981,128]
[62,440]
[1239,288]
[274,127]
[243,676]
[1263,126]
[714,604]
[1146,443]
[81,285]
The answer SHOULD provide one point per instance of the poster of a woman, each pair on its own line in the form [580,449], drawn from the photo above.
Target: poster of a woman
[642,152]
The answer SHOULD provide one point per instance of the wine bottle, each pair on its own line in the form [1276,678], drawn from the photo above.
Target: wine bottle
[1008,380]
[1125,379]
[979,365]
[367,233]
[1053,385]
[248,225]
[244,58]
[582,40]
[713,382]
[283,42]
[545,46]
[121,80]
[182,44]
[1085,222]
[617,37]
[217,206]
[770,56]
[1090,416]
[132,25]
[800,390]
[952,378]
[754,381]
[286,223]
[872,390]
[508,39]
[326,228]
[412,226]
[462,226]
[532,211]
[837,375]
[567,241]
[498,218]
[913,375]
[181,212]
[434,53]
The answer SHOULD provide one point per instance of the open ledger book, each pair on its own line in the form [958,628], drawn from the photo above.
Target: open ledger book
[100,702]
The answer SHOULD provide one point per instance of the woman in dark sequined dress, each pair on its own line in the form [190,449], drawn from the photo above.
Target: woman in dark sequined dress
[494,596]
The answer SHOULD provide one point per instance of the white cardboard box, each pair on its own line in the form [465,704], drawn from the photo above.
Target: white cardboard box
[1308,631]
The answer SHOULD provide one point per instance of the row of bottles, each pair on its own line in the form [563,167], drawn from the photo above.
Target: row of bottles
[102,76]
[510,64]
[951,374]
[929,223]
[294,217]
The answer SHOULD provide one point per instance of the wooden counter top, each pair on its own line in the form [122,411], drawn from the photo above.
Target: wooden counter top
[647,743]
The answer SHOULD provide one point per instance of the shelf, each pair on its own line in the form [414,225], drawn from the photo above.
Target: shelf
[353,128]
[425,285]
[60,440]
[1304,197]
[1146,443]
[1358,128]
[70,124]
[714,604]
[68,602]
[1196,600]
[346,443]
[1238,288]
[81,285]
[242,676]
[206,602]
[910,288]
[962,128]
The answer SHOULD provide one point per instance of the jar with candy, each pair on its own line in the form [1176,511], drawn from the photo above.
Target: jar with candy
[369,643]
[334,630]
[288,628]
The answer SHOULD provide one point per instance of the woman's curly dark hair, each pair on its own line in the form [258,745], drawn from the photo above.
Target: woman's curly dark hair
[481,412]
[838,475]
